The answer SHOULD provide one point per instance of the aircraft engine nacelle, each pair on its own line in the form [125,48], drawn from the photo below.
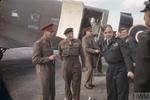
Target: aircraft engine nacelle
[126,20]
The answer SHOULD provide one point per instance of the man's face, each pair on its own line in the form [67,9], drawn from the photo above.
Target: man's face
[69,35]
[49,34]
[108,33]
[123,34]
[89,31]
[147,18]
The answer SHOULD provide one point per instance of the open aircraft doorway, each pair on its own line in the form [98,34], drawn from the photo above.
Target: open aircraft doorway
[73,14]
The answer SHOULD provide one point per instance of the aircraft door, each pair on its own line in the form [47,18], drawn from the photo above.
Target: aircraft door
[71,16]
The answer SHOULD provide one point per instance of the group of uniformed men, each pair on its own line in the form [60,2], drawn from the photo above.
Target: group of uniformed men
[119,53]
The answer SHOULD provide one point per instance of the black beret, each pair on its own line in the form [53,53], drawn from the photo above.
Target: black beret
[147,6]
[68,30]
[48,27]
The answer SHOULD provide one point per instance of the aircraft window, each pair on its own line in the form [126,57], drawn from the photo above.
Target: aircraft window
[35,17]
[34,21]
[14,13]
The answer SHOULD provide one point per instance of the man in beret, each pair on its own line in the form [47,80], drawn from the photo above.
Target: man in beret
[43,58]
[70,50]
[142,69]
[89,49]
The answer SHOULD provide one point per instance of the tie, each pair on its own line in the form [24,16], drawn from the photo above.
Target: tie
[108,42]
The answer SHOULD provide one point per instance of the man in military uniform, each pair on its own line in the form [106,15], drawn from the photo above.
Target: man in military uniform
[90,49]
[123,34]
[117,57]
[70,50]
[44,58]
[142,69]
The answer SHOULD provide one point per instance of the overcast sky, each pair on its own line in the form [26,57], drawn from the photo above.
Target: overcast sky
[117,6]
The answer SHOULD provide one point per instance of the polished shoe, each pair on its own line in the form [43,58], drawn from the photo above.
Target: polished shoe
[87,86]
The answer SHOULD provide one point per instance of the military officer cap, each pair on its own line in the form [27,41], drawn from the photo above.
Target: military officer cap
[68,30]
[48,27]
[147,6]
[86,24]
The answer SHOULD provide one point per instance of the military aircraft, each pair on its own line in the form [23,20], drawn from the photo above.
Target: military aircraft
[21,20]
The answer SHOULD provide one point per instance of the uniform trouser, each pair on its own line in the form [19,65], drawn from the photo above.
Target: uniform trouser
[117,83]
[89,73]
[46,75]
[72,76]
[99,65]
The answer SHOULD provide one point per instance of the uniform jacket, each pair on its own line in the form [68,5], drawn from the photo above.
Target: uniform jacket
[41,51]
[132,46]
[70,49]
[142,69]
[89,46]
[116,52]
